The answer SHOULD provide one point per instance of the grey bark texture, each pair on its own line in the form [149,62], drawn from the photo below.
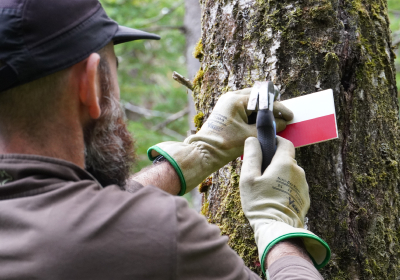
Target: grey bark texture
[306,46]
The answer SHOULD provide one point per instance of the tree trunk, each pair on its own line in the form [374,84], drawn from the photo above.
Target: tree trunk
[306,46]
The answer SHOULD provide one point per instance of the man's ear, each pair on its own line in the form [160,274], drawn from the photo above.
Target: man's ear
[89,86]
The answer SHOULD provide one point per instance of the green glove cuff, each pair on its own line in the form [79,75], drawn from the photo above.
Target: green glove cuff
[172,162]
[304,236]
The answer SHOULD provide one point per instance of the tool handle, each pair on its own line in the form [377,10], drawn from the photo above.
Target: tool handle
[266,134]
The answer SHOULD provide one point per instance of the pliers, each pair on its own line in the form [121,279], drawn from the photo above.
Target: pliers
[263,96]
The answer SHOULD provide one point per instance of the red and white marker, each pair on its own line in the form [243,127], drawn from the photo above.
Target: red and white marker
[314,119]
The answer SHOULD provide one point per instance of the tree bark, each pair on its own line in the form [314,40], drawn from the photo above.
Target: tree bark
[306,46]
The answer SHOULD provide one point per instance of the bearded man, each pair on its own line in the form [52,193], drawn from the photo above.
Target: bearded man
[69,207]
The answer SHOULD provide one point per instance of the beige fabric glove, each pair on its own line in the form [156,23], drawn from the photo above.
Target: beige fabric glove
[276,202]
[219,141]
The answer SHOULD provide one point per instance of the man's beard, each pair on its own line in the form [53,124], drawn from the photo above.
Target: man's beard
[109,147]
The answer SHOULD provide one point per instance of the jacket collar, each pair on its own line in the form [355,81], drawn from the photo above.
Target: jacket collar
[25,175]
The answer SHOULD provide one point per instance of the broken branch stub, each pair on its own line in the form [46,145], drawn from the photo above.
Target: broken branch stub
[182,80]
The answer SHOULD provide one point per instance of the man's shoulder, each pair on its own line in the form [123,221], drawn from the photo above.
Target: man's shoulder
[145,203]
[136,226]
[70,217]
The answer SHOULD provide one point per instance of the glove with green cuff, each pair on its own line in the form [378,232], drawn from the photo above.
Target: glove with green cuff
[276,202]
[219,141]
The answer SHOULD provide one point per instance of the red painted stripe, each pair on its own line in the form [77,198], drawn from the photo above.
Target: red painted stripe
[311,131]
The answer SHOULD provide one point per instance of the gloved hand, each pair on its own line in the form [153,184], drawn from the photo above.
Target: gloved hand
[276,202]
[219,141]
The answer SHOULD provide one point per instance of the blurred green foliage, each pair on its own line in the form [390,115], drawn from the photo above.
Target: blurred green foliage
[146,66]
[394,15]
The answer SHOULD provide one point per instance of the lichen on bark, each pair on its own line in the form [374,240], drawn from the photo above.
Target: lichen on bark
[306,46]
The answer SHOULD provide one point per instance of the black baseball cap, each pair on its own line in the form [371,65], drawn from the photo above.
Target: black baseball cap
[41,37]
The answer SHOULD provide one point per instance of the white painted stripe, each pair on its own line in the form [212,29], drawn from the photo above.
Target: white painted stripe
[311,106]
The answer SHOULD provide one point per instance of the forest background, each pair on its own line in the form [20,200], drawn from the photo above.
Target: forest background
[148,91]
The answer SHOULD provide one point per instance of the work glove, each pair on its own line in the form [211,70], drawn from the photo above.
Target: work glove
[276,202]
[219,141]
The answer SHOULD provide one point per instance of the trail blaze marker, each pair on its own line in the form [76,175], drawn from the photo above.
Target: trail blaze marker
[314,119]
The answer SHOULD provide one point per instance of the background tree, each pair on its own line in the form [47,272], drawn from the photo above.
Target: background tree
[306,46]
[192,35]
[192,25]
[145,71]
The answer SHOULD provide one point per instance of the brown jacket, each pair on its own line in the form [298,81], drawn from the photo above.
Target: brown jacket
[57,222]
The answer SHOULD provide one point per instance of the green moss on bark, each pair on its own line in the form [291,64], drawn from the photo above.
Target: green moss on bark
[198,79]
[198,50]
[198,120]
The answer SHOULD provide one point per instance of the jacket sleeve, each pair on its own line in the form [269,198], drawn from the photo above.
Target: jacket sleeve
[202,253]
[293,268]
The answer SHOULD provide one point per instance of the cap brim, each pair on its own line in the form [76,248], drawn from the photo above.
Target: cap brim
[125,34]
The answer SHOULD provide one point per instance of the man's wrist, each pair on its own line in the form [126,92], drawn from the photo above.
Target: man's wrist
[157,153]
[288,247]
[161,175]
